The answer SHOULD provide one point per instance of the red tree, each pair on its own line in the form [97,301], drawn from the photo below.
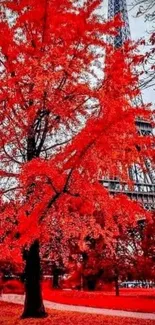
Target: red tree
[59,134]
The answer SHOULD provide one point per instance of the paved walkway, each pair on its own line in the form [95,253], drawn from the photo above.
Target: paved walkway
[19,299]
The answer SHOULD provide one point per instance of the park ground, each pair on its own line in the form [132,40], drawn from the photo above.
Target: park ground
[136,300]
[10,315]
[142,300]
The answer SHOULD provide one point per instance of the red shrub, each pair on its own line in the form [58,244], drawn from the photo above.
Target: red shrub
[13,286]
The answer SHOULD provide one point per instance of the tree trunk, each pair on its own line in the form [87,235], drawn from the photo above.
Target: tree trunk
[33,306]
[91,283]
[55,278]
[116,286]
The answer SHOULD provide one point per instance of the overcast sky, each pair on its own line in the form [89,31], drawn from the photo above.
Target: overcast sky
[138,28]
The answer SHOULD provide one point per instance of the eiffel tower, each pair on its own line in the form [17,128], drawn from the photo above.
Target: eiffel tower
[144,182]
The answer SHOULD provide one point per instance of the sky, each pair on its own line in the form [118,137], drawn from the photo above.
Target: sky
[138,28]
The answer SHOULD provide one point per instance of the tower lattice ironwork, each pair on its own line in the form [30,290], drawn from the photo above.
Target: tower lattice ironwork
[120,7]
[144,182]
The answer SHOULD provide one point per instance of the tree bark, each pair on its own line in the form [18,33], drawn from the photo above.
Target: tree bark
[55,278]
[33,306]
[91,282]
[116,286]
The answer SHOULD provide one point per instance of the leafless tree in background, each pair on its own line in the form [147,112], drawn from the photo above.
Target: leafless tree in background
[146,8]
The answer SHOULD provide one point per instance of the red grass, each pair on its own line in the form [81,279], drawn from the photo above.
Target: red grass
[141,300]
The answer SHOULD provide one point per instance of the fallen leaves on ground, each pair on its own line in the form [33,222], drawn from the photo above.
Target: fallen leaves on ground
[10,315]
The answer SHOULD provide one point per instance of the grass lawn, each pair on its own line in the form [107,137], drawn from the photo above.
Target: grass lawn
[142,300]
[9,315]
